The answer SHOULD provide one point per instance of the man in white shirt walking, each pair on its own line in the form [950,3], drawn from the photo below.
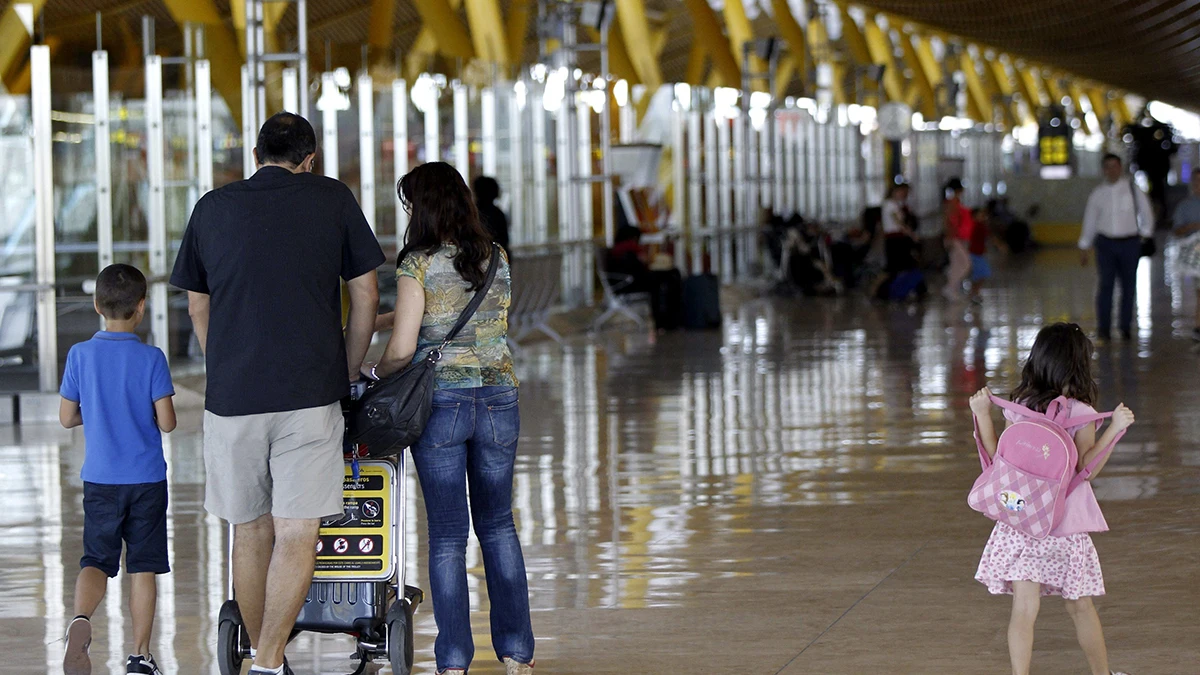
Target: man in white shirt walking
[1117,217]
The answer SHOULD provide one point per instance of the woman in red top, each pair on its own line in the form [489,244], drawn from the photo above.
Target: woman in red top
[959,226]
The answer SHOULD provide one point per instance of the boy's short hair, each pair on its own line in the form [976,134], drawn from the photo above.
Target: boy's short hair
[119,289]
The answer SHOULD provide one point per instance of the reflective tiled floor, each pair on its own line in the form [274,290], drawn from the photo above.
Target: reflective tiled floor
[784,496]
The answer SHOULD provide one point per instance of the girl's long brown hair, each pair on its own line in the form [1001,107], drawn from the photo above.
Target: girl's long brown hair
[443,213]
[1059,364]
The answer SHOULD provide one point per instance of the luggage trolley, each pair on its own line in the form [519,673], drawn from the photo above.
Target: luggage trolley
[358,586]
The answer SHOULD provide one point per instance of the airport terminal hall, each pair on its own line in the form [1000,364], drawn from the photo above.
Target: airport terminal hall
[599,337]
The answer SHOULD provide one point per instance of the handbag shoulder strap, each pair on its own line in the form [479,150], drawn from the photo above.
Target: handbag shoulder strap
[473,305]
[1137,213]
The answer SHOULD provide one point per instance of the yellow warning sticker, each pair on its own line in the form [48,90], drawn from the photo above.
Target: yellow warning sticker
[359,543]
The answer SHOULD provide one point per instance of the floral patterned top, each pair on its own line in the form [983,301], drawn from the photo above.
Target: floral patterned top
[479,355]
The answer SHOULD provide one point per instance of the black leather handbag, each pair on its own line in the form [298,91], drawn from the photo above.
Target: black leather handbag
[392,413]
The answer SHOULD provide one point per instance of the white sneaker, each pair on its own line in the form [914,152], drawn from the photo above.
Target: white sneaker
[76,660]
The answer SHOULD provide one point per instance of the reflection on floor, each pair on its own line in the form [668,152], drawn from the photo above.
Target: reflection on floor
[784,496]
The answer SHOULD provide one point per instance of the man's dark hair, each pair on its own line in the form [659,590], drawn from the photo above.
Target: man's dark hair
[119,289]
[487,190]
[1110,156]
[285,138]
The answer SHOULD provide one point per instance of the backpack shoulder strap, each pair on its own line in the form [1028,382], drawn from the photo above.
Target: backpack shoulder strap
[1019,409]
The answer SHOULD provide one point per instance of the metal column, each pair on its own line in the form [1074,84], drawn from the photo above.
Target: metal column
[679,180]
[585,227]
[329,126]
[712,191]
[695,193]
[103,141]
[725,224]
[156,216]
[541,195]
[487,121]
[43,190]
[399,153]
[204,146]
[462,138]
[366,146]
[433,133]
[516,170]
[291,91]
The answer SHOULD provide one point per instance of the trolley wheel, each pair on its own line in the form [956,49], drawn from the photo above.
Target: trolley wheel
[400,644]
[229,648]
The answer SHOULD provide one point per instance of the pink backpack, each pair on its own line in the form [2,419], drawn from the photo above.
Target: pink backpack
[1026,485]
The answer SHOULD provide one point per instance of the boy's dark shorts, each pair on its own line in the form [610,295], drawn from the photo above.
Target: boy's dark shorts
[134,513]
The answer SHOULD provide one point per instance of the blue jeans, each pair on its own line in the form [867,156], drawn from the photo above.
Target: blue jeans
[1117,259]
[472,438]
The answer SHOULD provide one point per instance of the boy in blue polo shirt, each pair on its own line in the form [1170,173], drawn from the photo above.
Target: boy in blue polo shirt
[119,390]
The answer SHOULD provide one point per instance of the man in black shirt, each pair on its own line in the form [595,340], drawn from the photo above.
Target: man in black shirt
[263,260]
[487,191]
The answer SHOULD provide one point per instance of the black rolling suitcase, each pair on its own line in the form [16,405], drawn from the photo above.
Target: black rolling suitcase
[701,302]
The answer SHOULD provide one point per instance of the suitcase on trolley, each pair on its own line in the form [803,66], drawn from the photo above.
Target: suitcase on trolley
[358,585]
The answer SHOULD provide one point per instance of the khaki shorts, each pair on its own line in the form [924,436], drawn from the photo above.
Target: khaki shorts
[287,464]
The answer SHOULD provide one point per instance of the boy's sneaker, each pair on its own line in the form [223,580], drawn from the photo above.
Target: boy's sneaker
[79,637]
[142,665]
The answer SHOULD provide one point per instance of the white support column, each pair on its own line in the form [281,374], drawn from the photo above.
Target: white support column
[726,221]
[103,139]
[433,131]
[566,200]
[487,121]
[712,191]
[679,180]
[366,147]
[784,199]
[156,216]
[291,91]
[768,140]
[329,126]
[204,146]
[248,131]
[797,170]
[399,153]
[516,172]
[584,228]
[43,190]
[741,186]
[462,139]
[627,117]
[753,198]
[695,193]
[541,165]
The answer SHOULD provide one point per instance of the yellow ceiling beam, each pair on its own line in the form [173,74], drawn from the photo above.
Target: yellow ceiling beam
[697,60]
[853,35]
[707,31]
[793,34]
[22,82]
[1120,109]
[925,99]
[784,75]
[822,52]
[1099,102]
[1027,84]
[516,28]
[379,29]
[14,38]
[441,18]
[1053,87]
[882,53]
[996,72]
[221,47]
[930,66]
[975,89]
[631,16]
[740,32]
[1077,97]
[487,31]
[619,62]
[998,90]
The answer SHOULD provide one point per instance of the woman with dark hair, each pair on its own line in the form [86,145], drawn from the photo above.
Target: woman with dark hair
[471,438]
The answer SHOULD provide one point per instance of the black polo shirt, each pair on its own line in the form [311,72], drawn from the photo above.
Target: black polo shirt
[271,251]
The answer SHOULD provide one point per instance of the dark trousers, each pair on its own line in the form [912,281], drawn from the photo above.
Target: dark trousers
[1117,259]
[900,252]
